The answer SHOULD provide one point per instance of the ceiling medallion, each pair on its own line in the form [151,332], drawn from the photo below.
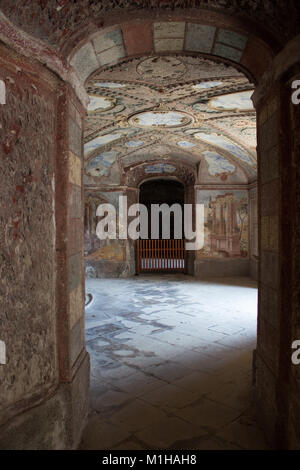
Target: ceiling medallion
[161,69]
[100,104]
[161,118]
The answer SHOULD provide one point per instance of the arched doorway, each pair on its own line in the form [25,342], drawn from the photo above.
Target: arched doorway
[164,248]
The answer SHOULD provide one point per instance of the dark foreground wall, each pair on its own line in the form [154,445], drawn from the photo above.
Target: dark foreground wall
[40,322]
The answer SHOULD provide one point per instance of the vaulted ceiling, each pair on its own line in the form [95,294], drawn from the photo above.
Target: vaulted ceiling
[170,109]
[176,107]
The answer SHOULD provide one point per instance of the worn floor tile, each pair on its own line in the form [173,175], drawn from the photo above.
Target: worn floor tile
[101,435]
[207,413]
[136,415]
[169,397]
[167,433]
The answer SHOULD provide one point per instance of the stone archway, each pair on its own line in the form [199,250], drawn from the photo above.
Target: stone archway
[64,385]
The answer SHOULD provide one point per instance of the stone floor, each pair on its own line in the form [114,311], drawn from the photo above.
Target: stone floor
[171,363]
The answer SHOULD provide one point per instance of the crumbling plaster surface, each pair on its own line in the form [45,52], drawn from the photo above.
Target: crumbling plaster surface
[27,268]
[43,400]
[54,424]
[55,21]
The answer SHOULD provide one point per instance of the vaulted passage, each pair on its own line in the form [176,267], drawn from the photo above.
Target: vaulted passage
[171,363]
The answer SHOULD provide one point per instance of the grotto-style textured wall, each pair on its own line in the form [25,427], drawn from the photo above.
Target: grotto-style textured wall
[226,223]
[44,383]
[27,269]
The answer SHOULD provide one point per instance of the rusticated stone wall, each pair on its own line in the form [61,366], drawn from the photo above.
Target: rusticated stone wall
[27,232]
[44,384]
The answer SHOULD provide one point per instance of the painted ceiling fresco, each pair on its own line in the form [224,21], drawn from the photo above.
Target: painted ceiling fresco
[217,164]
[100,103]
[161,119]
[233,101]
[169,106]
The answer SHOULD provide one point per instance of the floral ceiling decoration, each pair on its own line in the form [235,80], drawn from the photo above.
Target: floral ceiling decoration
[186,108]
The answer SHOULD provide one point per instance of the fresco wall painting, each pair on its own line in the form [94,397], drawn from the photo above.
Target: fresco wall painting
[226,223]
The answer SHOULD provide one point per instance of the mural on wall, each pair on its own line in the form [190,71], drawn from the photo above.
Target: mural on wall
[112,250]
[241,127]
[226,223]
[96,249]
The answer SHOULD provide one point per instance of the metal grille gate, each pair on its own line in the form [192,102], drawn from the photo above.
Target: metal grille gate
[161,255]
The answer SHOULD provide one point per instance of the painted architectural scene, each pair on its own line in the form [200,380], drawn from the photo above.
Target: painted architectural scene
[95,248]
[226,223]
